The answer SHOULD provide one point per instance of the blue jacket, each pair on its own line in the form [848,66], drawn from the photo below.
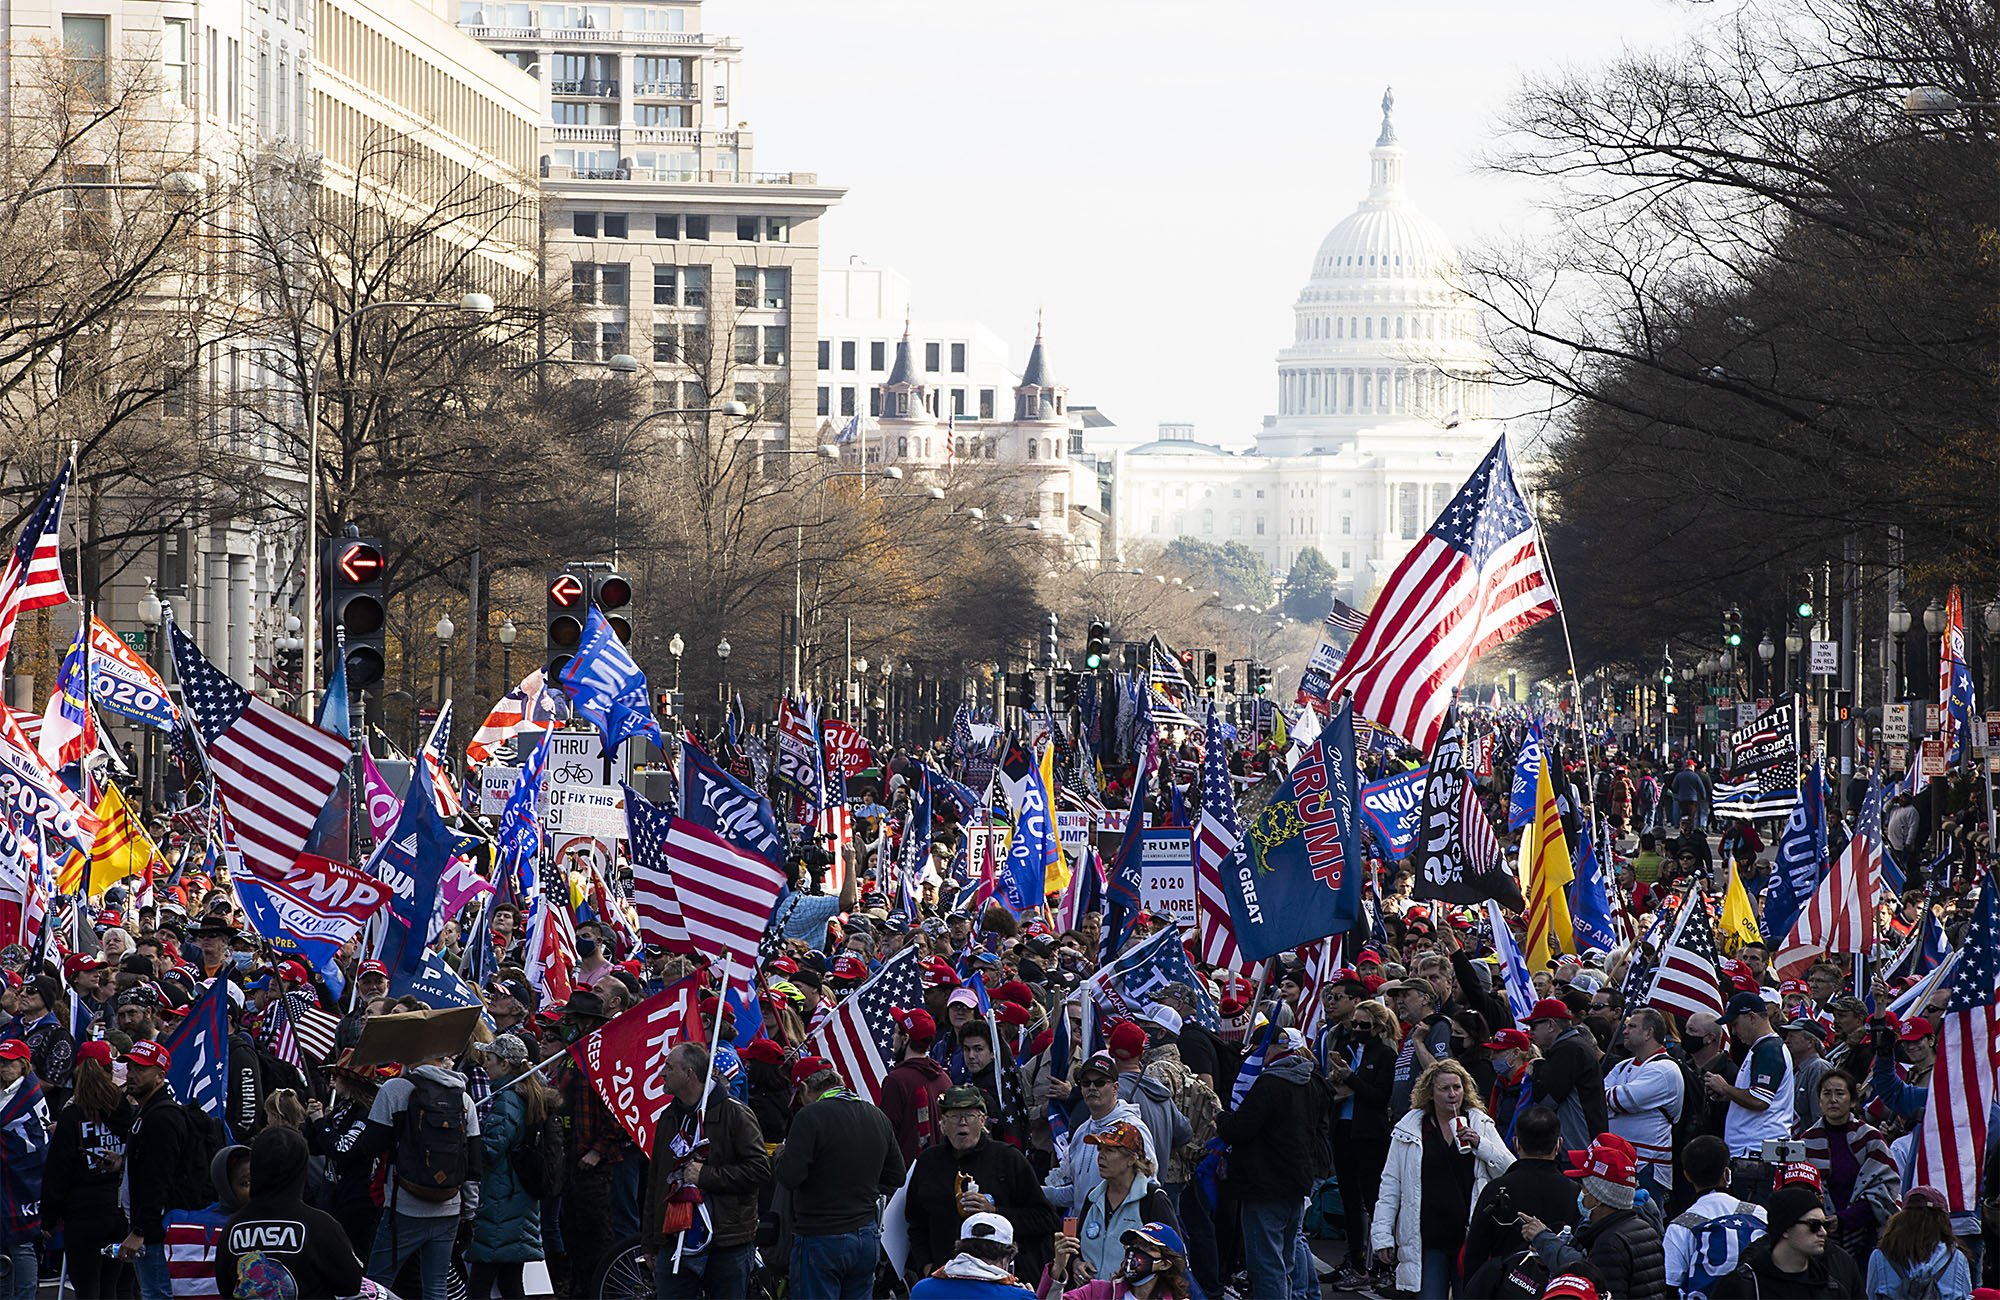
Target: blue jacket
[507,1229]
[936,1287]
[1905,1100]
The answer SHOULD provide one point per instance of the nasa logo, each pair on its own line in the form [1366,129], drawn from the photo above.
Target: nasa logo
[285,1236]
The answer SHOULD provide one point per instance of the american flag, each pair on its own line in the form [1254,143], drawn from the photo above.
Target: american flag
[859,1037]
[1840,915]
[277,1036]
[1217,841]
[726,891]
[1475,579]
[835,821]
[1684,981]
[33,578]
[551,926]
[1346,618]
[315,1029]
[1952,1141]
[437,757]
[273,771]
[1171,692]
[661,924]
[531,706]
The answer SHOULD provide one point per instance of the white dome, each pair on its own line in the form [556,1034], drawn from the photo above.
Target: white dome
[1385,239]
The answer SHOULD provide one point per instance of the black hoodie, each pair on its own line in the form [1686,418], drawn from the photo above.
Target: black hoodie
[277,1230]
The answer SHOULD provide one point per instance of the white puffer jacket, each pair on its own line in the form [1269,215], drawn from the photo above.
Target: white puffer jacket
[1398,1212]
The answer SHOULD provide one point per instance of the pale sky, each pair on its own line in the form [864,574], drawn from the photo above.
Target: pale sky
[1154,175]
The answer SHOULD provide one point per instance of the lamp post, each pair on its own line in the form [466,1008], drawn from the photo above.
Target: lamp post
[677,648]
[445,629]
[478,304]
[625,444]
[1934,626]
[151,612]
[722,686]
[1899,627]
[1767,651]
[1795,649]
[508,633]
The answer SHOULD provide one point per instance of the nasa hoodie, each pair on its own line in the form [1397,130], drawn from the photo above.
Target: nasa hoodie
[276,1235]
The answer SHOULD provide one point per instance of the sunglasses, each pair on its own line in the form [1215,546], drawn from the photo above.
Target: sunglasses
[1814,1225]
[1093,1083]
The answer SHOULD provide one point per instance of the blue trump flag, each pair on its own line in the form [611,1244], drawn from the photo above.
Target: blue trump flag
[199,1045]
[1128,985]
[603,681]
[1527,769]
[1801,858]
[1590,899]
[519,835]
[411,862]
[718,802]
[1394,809]
[1024,872]
[1301,877]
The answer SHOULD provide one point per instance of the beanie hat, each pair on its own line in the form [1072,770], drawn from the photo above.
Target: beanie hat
[1789,1205]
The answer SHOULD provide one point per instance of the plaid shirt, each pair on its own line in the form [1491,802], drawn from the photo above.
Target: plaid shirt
[591,1126]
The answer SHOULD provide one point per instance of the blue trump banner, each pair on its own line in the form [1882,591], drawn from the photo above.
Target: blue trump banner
[718,802]
[1521,792]
[411,862]
[1024,873]
[1393,806]
[199,1045]
[1300,878]
[603,681]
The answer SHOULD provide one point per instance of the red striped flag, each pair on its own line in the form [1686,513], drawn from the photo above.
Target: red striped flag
[529,708]
[860,1036]
[1475,579]
[726,892]
[1217,839]
[33,578]
[1951,1143]
[1685,980]
[660,922]
[274,772]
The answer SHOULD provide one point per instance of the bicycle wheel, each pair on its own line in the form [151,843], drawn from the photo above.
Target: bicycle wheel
[627,1273]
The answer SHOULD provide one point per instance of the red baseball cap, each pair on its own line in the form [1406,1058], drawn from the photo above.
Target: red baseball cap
[783,965]
[1549,1009]
[148,1052]
[294,971]
[765,1051]
[1509,1040]
[1368,957]
[372,968]
[1800,1173]
[1017,992]
[1914,1028]
[1127,1041]
[1610,1157]
[850,967]
[1571,1286]
[78,962]
[938,972]
[110,920]
[807,1066]
[1789,987]
[916,1022]
[1010,1013]
[96,1050]
[13,1049]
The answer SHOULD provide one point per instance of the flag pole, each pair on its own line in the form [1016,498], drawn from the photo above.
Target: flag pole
[1575,682]
[708,1083]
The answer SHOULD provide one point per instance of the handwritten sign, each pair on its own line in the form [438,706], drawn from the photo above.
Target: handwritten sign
[597,810]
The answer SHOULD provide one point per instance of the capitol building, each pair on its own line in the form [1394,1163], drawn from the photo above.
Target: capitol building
[1383,409]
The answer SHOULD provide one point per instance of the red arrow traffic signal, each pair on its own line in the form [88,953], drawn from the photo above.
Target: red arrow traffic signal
[566,590]
[360,562]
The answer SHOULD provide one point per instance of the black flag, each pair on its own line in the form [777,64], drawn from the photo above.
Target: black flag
[1458,857]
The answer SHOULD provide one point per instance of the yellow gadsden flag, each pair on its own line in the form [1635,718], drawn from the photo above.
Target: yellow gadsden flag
[1738,924]
[1057,879]
[120,848]
[1546,873]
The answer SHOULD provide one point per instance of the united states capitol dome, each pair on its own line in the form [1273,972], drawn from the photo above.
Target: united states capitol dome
[1386,237]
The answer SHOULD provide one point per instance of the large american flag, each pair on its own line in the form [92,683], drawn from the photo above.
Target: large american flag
[273,771]
[1217,837]
[661,924]
[529,707]
[1952,1140]
[859,1037]
[1475,579]
[726,891]
[33,578]
[1684,981]
[1840,915]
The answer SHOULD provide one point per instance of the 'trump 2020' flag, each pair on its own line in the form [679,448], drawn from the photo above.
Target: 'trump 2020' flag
[604,682]
[199,1045]
[723,854]
[859,1037]
[1475,579]
[1801,857]
[1951,1144]
[622,1060]
[1303,877]
[1458,857]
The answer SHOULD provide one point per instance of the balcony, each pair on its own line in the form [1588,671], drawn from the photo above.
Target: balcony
[666,89]
[588,35]
[587,134]
[587,88]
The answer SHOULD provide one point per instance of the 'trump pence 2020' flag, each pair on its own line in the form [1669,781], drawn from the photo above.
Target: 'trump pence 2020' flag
[1303,880]
[1458,856]
[1475,579]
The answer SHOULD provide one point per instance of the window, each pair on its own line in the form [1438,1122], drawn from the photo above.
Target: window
[1032,447]
[694,343]
[1260,523]
[778,230]
[775,344]
[666,342]
[902,448]
[616,225]
[746,229]
[602,284]
[697,227]
[985,403]
[281,119]
[661,115]
[583,224]
[694,286]
[874,401]
[1409,501]
[777,402]
[746,286]
[825,401]
[301,104]
[1347,559]
[747,394]
[176,55]
[612,334]
[878,356]
[825,356]
[847,354]
[86,212]
[233,76]
[1347,525]
[931,357]
[666,226]
[87,45]
[665,286]
[777,286]
[583,343]
[746,344]
[958,402]
[214,73]
[958,358]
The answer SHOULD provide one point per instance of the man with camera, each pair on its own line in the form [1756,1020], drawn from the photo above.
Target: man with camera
[803,912]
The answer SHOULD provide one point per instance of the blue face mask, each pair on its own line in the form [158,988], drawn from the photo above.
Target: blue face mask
[1581,1208]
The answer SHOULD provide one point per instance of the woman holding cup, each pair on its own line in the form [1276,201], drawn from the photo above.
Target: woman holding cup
[1441,1156]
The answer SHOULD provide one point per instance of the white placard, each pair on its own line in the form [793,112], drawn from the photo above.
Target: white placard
[1933,720]
[1073,827]
[1896,724]
[597,810]
[1166,875]
[1746,712]
[576,758]
[1825,660]
[496,782]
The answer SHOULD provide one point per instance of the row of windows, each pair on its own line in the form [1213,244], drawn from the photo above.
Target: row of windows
[673,225]
[1367,327]
[422,87]
[878,356]
[849,396]
[608,284]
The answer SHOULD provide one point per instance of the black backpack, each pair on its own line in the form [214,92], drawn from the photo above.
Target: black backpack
[1694,1105]
[538,1158]
[432,1144]
[193,1188]
[1320,1105]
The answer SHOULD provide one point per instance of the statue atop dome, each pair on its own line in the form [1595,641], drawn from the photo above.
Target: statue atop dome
[1388,136]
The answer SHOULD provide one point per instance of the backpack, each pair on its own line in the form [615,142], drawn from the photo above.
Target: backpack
[1694,1105]
[538,1159]
[193,1188]
[432,1146]
[1320,1105]
[1927,1285]
[1519,1276]
[1717,1248]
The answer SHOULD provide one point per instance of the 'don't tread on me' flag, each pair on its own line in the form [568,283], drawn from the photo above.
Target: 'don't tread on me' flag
[1302,879]
[1473,580]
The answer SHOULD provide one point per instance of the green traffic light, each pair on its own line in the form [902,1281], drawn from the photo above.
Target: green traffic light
[1805,609]
[1736,638]
[1093,662]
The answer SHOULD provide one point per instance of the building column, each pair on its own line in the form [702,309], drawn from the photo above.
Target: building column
[241,624]
[214,620]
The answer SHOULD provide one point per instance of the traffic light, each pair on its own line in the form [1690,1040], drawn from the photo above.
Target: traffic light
[1130,650]
[1066,684]
[568,594]
[356,586]
[1208,669]
[1229,678]
[1097,650]
[1260,679]
[1019,690]
[1732,627]
[1805,589]
[1188,664]
[612,594]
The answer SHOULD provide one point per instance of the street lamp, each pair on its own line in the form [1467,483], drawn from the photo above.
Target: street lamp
[1935,101]
[476,304]
[733,409]
[445,629]
[1899,627]
[507,634]
[722,686]
[677,648]
[1934,617]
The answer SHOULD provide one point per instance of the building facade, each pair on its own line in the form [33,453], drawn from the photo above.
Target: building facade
[677,250]
[1383,409]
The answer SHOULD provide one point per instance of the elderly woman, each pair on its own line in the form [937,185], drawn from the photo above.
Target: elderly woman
[1441,1156]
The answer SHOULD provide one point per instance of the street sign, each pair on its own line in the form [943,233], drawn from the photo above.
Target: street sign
[1896,724]
[1746,713]
[137,640]
[594,810]
[1899,758]
[1933,759]
[1933,719]
[1825,660]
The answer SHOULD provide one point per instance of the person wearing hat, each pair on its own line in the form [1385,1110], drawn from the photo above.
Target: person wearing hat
[911,1088]
[972,1172]
[720,1153]
[598,1145]
[983,1267]
[840,1155]
[1442,1154]
[1643,1096]
[371,981]
[1760,1098]
[1426,1035]
[1070,1181]
[24,1149]
[1127,1196]
[86,1167]
[1805,1039]
[1169,1126]
[420,1216]
[1619,1241]
[213,939]
[1906,1090]
[1202,1050]
[1569,1077]
[1270,1162]
[1919,1254]
[336,1134]
[507,1225]
[1794,1259]
[1196,1101]
[162,1142]
[49,1043]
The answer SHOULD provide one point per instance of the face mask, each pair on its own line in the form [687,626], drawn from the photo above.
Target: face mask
[586,948]
[1138,1264]
[1582,1206]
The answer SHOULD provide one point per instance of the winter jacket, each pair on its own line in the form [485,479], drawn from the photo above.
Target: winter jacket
[1004,1178]
[1623,1249]
[1530,1186]
[1371,1075]
[160,1142]
[1947,1270]
[1570,1080]
[86,1166]
[736,1168]
[1269,1156]
[1101,1230]
[910,1093]
[1071,1180]
[1397,1219]
[338,1139]
[280,1227]
[507,1229]
[840,1156]
[1157,1111]
[1833,1276]
[1195,1100]
[194,1236]
[964,1278]
[24,1149]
